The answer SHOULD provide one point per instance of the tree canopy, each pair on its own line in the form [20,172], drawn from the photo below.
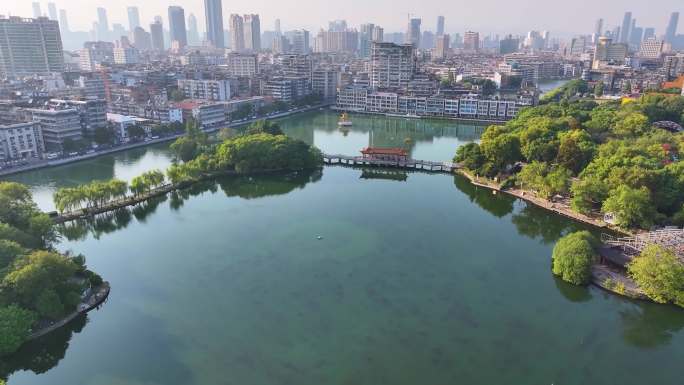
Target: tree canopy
[659,274]
[573,256]
[611,155]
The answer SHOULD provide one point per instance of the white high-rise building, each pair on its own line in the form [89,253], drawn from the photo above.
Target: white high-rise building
[651,48]
[30,46]
[413,32]
[36,10]
[252,32]
[237,33]
[392,65]
[133,18]
[52,11]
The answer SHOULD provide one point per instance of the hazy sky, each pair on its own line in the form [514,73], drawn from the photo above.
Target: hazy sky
[499,16]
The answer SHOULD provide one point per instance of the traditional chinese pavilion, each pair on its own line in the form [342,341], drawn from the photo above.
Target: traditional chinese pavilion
[388,154]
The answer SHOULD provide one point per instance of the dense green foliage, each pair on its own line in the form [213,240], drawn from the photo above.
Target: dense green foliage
[190,145]
[573,256]
[566,91]
[147,181]
[659,274]
[35,282]
[611,157]
[264,127]
[15,326]
[89,195]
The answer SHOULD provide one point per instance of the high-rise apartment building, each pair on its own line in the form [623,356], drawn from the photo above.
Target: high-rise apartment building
[378,33]
[142,39]
[299,41]
[213,10]
[36,10]
[30,46]
[392,65]
[651,48]
[471,41]
[413,32]
[177,29]
[237,33]
[442,47]
[52,11]
[365,39]
[598,30]
[252,32]
[157,35]
[440,25]
[133,18]
[193,30]
[508,45]
[671,30]
[626,28]
[649,33]
[63,22]
[102,24]
[609,53]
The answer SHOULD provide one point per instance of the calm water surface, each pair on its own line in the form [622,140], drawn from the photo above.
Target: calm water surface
[419,279]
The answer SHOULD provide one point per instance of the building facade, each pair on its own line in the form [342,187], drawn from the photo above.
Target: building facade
[212,90]
[392,65]
[30,46]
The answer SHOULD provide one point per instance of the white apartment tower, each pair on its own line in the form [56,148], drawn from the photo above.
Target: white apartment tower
[392,65]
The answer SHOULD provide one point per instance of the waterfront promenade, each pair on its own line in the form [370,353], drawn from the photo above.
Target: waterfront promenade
[129,146]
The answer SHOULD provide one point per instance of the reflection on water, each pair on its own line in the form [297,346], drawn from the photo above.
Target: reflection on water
[418,278]
[245,187]
[425,139]
[43,354]
[384,174]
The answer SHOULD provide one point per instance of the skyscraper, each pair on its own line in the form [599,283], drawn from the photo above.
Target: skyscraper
[671,30]
[30,46]
[442,46]
[177,28]
[133,18]
[36,10]
[278,31]
[142,39]
[63,21]
[365,39]
[471,41]
[299,41]
[52,11]
[440,25]
[252,31]
[193,30]
[237,35]
[102,24]
[378,34]
[157,35]
[598,30]
[213,10]
[649,33]
[626,28]
[413,32]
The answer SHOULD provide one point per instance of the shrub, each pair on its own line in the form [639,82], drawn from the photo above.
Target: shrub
[659,274]
[573,257]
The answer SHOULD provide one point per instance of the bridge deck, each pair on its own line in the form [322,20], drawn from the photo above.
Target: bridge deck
[412,164]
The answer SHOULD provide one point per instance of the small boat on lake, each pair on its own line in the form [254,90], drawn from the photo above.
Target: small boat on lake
[344,120]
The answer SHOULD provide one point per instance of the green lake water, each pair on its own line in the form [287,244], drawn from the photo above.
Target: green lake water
[418,279]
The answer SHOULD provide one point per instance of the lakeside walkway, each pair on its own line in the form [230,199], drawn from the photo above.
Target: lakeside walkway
[90,302]
[130,146]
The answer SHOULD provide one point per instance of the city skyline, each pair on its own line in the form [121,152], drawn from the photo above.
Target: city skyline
[492,18]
